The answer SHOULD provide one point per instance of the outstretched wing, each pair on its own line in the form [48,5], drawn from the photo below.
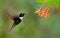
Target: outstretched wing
[12,13]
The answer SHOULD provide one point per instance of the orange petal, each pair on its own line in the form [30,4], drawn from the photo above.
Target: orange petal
[45,13]
[39,11]
[46,16]
[46,10]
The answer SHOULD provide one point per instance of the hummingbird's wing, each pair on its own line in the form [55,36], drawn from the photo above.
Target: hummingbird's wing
[12,13]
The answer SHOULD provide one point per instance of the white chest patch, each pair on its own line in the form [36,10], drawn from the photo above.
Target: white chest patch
[21,18]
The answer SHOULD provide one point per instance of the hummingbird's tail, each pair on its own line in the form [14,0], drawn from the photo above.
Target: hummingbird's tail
[12,27]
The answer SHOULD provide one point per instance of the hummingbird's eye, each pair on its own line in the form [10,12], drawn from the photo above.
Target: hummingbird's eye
[21,14]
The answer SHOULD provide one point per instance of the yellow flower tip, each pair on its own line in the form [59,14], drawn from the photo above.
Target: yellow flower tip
[38,12]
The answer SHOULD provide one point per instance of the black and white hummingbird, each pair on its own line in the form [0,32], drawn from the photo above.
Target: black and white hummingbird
[17,20]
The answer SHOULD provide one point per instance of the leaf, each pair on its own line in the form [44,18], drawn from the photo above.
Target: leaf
[40,1]
[50,2]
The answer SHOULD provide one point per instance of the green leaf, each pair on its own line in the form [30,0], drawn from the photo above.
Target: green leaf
[40,1]
[50,2]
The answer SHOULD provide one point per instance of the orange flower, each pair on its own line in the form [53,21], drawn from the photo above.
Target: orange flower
[45,13]
[39,11]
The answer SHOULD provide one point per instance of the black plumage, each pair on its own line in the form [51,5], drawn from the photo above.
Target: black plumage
[17,20]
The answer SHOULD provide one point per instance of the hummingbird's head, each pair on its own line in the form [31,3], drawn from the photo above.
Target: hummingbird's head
[21,15]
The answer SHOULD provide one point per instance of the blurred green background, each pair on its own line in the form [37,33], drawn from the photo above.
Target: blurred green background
[32,26]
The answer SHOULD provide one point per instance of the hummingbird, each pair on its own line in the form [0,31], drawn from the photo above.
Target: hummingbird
[17,19]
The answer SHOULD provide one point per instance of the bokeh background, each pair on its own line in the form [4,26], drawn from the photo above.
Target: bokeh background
[32,26]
